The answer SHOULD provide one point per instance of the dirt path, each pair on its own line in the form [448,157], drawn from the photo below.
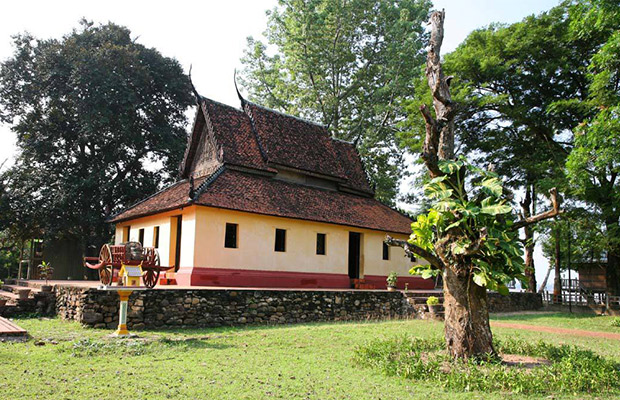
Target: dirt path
[550,329]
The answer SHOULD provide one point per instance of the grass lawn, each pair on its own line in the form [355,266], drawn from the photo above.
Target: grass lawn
[563,320]
[312,361]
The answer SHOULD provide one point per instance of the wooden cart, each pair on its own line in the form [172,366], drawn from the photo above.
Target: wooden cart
[113,257]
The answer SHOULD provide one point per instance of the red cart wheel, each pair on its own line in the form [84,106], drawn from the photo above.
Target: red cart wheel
[150,278]
[105,259]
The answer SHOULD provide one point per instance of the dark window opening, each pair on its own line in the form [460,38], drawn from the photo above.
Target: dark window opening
[156,237]
[320,244]
[141,236]
[354,254]
[280,240]
[386,251]
[230,241]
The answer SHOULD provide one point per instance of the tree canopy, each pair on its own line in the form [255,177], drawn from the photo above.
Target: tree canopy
[100,122]
[347,65]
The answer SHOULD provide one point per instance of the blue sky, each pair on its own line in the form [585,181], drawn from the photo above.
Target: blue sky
[211,34]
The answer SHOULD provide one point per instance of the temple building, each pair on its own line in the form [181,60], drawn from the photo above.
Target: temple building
[269,200]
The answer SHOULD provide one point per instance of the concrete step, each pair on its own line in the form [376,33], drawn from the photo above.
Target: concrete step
[17,288]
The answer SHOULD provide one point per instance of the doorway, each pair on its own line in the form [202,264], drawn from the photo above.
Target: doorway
[354,254]
[175,241]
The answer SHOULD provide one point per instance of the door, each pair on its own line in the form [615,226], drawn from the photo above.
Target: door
[175,241]
[354,255]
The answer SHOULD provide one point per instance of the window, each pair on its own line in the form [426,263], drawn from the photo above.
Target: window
[386,251]
[230,241]
[280,240]
[320,244]
[156,237]
[141,236]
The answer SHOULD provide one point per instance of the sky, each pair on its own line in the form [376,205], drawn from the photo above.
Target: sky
[211,35]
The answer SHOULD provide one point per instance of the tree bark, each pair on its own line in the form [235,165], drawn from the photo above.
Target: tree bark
[544,282]
[530,271]
[612,272]
[557,282]
[467,330]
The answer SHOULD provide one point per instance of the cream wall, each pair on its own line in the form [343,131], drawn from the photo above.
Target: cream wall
[166,240]
[256,238]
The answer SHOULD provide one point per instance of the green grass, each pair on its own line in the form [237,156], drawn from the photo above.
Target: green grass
[563,320]
[313,361]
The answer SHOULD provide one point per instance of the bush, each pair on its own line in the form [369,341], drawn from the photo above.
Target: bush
[392,279]
[615,322]
[571,370]
[432,301]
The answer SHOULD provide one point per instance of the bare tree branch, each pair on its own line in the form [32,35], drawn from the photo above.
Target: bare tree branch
[555,211]
[412,249]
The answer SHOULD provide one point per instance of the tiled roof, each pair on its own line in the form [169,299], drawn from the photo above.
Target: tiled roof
[353,167]
[233,131]
[235,190]
[169,198]
[296,143]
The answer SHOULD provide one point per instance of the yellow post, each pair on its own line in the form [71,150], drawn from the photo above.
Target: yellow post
[122,318]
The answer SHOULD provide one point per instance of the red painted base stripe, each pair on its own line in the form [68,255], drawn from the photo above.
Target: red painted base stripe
[197,276]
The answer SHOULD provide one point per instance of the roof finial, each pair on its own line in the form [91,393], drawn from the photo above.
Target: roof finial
[198,97]
[237,89]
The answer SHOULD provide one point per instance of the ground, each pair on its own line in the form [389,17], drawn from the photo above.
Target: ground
[313,361]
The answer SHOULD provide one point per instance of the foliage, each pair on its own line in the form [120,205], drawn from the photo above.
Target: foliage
[594,163]
[615,322]
[46,271]
[572,370]
[432,301]
[391,279]
[347,65]
[469,203]
[91,111]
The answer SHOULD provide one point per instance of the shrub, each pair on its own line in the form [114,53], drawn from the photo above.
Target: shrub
[391,279]
[571,369]
[616,322]
[432,301]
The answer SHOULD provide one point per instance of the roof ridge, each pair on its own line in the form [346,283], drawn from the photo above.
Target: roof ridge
[219,103]
[208,181]
[307,121]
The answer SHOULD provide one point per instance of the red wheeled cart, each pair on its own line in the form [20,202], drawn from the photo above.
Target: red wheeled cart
[113,257]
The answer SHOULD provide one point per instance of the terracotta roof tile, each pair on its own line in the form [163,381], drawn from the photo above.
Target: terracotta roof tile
[233,131]
[263,195]
[240,191]
[353,167]
[169,198]
[296,143]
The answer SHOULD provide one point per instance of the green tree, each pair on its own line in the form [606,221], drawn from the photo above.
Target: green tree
[346,64]
[594,163]
[470,234]
[508,80]
[90,111]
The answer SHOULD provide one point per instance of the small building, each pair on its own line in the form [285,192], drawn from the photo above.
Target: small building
[269,200]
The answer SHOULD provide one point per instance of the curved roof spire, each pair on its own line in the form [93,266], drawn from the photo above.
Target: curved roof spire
[237,89]
[198,97]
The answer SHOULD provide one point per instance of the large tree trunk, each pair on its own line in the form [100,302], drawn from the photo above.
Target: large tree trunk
[530,271]
[557,280]
[467,330]
[612,274]
[543,285]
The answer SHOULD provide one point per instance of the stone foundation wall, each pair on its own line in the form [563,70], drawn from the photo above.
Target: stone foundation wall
[515,301]
[210,308]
